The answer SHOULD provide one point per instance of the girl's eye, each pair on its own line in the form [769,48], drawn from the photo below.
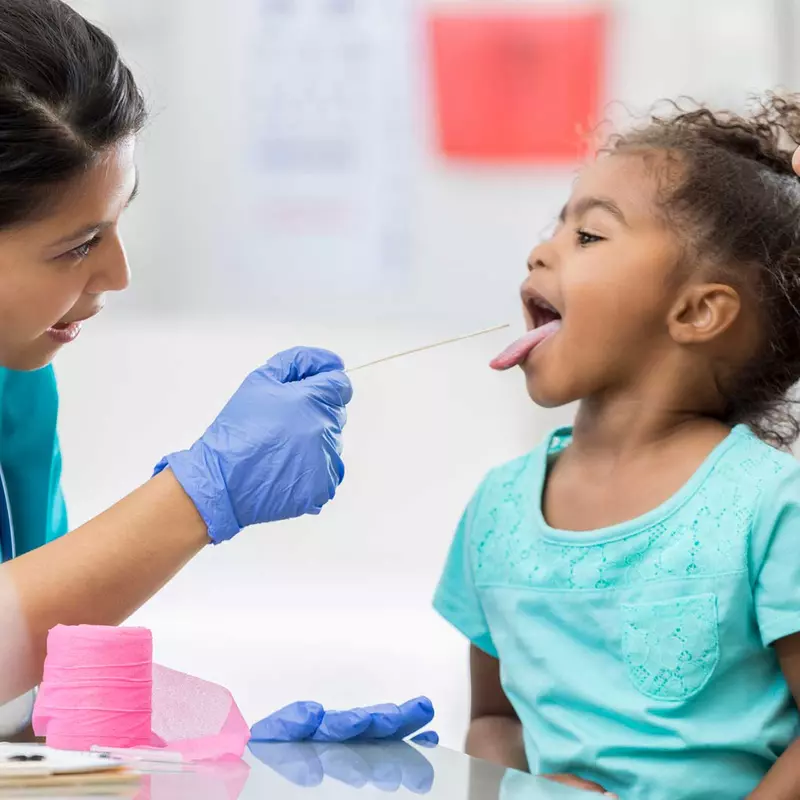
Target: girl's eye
[82,251]
[585,238]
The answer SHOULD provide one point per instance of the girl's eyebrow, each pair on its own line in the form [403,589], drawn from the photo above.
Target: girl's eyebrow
[586,204]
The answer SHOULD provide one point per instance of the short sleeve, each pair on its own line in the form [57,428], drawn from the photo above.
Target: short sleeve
[775,558]
[30,456]
[457,598]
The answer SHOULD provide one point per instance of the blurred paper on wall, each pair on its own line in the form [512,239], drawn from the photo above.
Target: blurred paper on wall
[516,85]
[329,149]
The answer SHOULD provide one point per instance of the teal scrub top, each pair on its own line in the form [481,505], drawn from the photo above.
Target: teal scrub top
[30,457]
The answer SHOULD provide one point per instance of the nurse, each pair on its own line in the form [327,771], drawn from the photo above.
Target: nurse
[69,115]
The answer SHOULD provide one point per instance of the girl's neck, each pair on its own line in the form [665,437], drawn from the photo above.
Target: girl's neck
[614,428]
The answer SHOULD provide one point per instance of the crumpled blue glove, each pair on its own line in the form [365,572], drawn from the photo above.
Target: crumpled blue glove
[386,766]
[306,721]
[274,453]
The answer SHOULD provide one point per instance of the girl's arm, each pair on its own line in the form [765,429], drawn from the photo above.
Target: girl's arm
[783,780]
[495,732]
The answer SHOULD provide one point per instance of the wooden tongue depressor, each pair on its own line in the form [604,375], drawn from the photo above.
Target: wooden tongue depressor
[429,347]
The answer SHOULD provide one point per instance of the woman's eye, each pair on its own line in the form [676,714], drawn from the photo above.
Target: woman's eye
[585,238]
[82,251]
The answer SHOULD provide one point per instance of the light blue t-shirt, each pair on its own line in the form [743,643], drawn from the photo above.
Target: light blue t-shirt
[639,656]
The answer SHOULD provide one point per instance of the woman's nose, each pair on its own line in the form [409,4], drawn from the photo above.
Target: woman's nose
[112,273]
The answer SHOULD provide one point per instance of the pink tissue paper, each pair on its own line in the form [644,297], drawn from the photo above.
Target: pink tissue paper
[100,687]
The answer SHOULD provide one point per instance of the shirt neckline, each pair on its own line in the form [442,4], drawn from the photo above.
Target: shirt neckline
[637,524]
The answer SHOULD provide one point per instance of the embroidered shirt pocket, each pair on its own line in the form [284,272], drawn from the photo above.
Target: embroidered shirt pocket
[671,647]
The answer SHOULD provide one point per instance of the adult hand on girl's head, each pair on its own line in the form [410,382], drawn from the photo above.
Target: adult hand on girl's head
[575,782]
[796,161]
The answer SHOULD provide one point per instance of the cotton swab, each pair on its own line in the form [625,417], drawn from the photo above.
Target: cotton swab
[430,347]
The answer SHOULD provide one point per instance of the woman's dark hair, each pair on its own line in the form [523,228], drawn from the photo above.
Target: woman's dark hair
[65,96]
[735,199]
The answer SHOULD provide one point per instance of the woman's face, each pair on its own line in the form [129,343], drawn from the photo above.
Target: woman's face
[55,272]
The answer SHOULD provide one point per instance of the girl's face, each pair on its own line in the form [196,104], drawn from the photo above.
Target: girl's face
[607,271]
[55,272]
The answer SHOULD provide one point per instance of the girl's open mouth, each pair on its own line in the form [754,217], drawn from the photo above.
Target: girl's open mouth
[546,323]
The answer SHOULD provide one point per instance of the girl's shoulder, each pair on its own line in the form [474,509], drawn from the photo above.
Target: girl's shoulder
[528,469]
[754,466]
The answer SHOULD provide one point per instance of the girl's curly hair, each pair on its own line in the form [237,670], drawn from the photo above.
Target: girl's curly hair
[737,204]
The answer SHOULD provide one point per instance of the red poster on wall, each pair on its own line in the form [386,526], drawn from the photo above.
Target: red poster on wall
[517,86]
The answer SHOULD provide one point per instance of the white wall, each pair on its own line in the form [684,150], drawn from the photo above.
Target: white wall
[337,607]
[472,226]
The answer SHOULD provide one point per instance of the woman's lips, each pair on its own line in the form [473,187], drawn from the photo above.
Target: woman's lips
[64,334]
[516,353]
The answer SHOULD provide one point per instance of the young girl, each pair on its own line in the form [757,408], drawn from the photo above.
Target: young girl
[631,588]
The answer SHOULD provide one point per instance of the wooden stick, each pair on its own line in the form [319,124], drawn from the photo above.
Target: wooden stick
[429,347]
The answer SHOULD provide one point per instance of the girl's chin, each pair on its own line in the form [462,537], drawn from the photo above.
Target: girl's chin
[546,395]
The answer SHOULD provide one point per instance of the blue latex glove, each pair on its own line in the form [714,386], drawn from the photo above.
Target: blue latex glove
[386,766]
[309,721]
[274,452]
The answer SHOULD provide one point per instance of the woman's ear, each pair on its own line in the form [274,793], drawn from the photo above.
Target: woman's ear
[703,313]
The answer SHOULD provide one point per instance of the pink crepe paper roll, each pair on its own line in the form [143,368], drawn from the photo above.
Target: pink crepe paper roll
[97,688]
[100,687]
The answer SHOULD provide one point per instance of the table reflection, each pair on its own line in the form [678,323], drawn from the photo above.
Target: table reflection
[222,780]
[387,767]
[331,770]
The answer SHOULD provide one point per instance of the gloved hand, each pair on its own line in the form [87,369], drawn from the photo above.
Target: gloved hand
[274,452]
[309,721]
[386,766]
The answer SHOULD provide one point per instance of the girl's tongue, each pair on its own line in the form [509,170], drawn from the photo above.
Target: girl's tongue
[516,353]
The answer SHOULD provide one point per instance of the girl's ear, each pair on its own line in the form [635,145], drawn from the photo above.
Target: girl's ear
[704,312]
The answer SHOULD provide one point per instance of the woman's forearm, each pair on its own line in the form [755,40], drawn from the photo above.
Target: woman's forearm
[273,453]
[99,574]
[499,740]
